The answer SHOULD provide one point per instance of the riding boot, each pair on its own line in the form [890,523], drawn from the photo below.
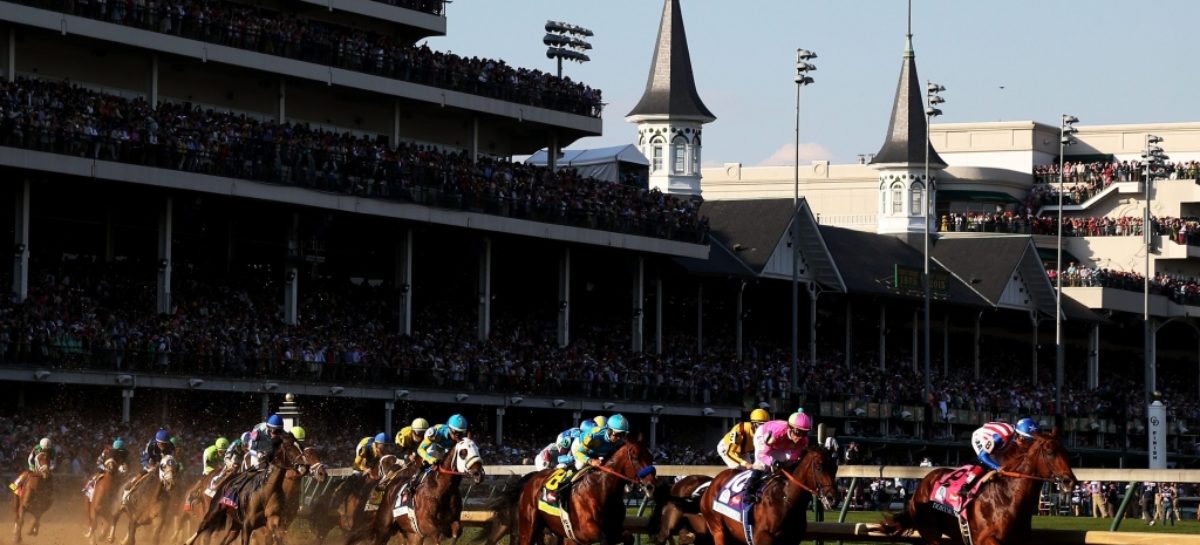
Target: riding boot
[752,486]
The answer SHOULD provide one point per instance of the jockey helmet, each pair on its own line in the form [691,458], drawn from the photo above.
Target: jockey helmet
[419,425]
[600,421]
[758,416]
[44,443]
[1026,427]
[222,443]
[245,438]
[174,441]
[275,422]
[457,423]
[381,438]
[618,424]
[298,433]
[118,444]
[163,436]
[586,427]
[800,420]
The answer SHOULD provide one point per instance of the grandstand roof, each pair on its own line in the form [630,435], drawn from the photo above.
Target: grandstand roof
[754,232]
[905,142]
[671,87]
[579,157]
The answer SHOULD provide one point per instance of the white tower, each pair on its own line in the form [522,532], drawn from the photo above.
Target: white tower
[901,161]
[670,115]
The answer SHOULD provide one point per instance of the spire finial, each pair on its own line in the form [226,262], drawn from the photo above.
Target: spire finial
[909,34]
[908,46]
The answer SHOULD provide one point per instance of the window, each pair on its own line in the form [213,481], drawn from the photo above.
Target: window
[917,205]
[680,157]
[897,198]
[695,158]
[656,160]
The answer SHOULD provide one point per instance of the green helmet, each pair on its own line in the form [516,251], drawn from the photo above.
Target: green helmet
[222,443]
[175,441]
[298,433]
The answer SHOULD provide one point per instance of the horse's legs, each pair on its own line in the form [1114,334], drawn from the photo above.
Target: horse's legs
[666,523]
[717,532]
[37,524]
[20,522]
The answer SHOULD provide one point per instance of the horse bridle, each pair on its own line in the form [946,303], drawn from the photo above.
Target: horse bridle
[646,469]
[1056,479]
[800,484]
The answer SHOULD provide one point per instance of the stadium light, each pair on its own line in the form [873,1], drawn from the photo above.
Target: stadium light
[566,41]
[1153,158]
[1066,129]
[932,100]
[802,79]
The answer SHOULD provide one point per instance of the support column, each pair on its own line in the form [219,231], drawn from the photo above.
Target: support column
[1093,365]
[20,285]
[1034,347]
[109,235]
[404,249]
[564,298]
[658,311]
[978,336]
[166,228]
[281,108]
[230,243]
[475,139]
[946,344]
[126,401]
[266,406]
[388,406]
[11,64]
[395,122]
[291,286]
[653,432]
[882,336]
[740,315]
[485,289]
[499,426]
[154,81]
[699,318]
[1152,356]
[639,284]
[916,357]
[552,152]
[849,334]
[812,325]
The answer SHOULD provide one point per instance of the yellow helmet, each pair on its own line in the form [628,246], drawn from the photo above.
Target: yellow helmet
[419,425]
[600,421]
[298,433]
[758,416]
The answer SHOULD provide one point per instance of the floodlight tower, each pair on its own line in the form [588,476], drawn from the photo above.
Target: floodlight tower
[566,41]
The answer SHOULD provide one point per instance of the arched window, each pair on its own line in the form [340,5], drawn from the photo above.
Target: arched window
[656,159]
[917,204]
[897,198]
[680,155]
[696,155]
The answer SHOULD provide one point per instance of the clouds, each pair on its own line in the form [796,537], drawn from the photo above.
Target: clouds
[786,154]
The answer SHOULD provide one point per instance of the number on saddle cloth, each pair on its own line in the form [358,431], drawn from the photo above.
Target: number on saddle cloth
[555,488]
[731,498]
[953,491]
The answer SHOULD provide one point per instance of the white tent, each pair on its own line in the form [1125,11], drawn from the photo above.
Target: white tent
[601,164]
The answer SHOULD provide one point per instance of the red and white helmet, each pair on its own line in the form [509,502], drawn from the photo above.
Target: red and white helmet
[800,420]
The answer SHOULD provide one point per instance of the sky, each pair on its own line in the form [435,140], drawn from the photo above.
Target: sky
[1103,61]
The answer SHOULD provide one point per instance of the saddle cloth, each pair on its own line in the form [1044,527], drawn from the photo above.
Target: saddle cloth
[946,491]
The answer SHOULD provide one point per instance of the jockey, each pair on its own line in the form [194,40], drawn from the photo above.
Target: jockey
[409,438]
[601,441]
[440,439]
[117,453]
[156,449]
[739,442]
[214,455]
[558,453]
[298,434]
[368,452]
[41,446]
[774,442]
[262,441]
[179,456]
[234,456]
[993,437]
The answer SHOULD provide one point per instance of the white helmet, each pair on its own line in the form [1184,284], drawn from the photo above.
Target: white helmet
[44,443]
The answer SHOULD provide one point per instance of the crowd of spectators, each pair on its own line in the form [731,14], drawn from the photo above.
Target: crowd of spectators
[60,117]
[1178,288]
[284,34]
[1084,179]
[1180,230]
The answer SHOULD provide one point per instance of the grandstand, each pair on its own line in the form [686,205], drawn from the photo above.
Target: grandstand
[307,202]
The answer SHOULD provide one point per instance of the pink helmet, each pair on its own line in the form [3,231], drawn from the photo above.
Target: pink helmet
[800,420]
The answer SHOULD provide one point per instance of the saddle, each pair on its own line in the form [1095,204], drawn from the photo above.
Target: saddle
[956,489]
[556,489]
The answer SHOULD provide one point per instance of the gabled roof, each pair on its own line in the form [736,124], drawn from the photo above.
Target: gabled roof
[755,231]
[867,263]
[671,87]
[906,139]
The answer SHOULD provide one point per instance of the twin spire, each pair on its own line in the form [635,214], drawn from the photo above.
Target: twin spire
[671,87]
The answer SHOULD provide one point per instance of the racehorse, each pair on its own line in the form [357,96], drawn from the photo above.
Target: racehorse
[292,481]
[34,496]
[595,511]
[677,508]
[1004,508]
[259,497]
[101,507]
[342,506]
[779,514]
[148,502]
[435,505]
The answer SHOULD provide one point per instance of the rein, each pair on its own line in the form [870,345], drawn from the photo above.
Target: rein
[792,479]
[445,471]
[615,474]
[1017,475]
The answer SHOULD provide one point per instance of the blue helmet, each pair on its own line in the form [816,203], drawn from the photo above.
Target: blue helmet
[457,423]
[381,438]
[163,436]
[1026,427]
[275,422]
[118,444]
[586,427]
[245,438]
[618,424]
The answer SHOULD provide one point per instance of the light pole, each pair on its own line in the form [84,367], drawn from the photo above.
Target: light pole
[803,67]
[1152,156]
[933,100]
[1066,129]
[566,41]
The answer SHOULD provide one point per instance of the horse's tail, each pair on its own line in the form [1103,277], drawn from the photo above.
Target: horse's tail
[899,524]
[503,508]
